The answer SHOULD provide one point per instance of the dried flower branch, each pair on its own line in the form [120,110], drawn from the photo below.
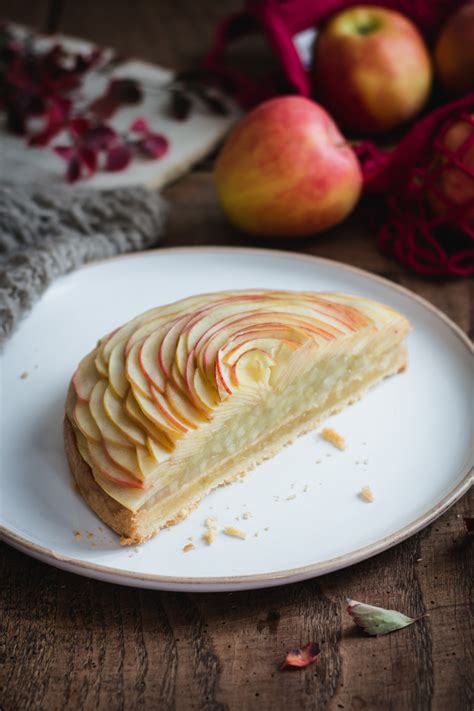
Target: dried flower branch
[40,93]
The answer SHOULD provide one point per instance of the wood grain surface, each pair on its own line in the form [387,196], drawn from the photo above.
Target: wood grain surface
[71,643]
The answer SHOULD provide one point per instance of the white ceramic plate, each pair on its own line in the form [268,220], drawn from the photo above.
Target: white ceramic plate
[409,439]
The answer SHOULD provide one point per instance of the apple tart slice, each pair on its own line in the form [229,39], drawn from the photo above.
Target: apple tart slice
[191,395]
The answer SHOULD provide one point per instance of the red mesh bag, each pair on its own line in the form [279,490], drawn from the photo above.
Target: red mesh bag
[427,219]
[420,221]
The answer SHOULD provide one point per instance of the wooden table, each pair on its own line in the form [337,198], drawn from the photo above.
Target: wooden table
[72,643]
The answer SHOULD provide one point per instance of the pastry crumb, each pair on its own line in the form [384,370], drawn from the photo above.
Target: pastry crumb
[24,375]
[305,488]
[318,461]
[290,498]
[188,547]
[247,515]
[90,535]
[93,545]
[209,537]
[366,494]
[256,534]
[211,522]
[77,535]
[267,528]
[234,532]
[333,438]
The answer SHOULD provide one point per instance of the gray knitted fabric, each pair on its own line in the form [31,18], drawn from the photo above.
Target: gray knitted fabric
[46,232]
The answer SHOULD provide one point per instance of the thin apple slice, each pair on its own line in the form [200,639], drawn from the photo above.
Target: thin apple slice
[163,406]
[134,372]
[125,459]
[85,377]
[85,422]
[147,463]
[107,429]
[183,408]
[167,350]
[156,450]
[252,368]
[135,413]
[224,386]
[204,392]
[151,412]
[114,408]
[149,362]
[117,378]
[108,469]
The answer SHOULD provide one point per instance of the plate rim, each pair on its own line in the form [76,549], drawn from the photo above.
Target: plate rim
[221,583]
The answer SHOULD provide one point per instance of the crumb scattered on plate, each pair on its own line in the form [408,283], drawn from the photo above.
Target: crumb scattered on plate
[188,547]
[77,535]
[90,535]
[24,375]
[209,537]
[235,532]
[211,525]
[366,494]
[290,498]
[247,515]
[333,437]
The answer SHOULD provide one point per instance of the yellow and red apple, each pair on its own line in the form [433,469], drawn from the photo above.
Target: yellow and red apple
[286,170]
[454,52]
[372,70]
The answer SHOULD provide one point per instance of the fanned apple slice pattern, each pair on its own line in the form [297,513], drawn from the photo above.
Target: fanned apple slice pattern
[167,372]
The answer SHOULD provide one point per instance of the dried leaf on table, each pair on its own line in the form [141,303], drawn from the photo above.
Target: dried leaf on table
[301,657]
[377,620]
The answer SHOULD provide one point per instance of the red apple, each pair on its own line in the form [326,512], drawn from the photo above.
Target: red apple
[454,52]
[372,70]
[454,186]
[286,170]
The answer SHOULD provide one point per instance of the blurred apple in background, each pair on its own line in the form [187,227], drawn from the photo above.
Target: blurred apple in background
[455,186]
[286,170]
[372,70]
[454,52]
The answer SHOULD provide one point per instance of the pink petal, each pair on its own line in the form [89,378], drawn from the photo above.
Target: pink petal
[65,152]
[78,126]
[154,145]
[140,125]
[118,158]
[88,158]
[99,137]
